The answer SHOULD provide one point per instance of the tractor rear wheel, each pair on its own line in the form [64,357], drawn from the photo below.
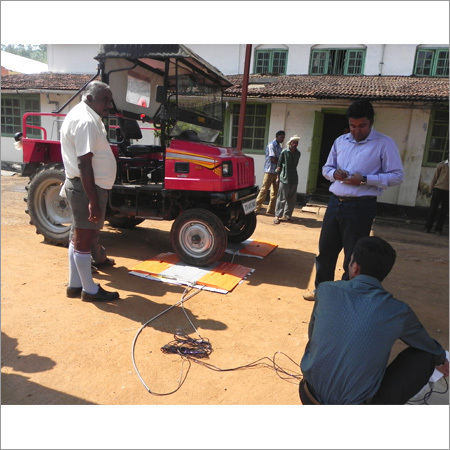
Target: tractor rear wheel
[242,228]
[49,212]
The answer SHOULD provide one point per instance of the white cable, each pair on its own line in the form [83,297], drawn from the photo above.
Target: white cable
[183,299]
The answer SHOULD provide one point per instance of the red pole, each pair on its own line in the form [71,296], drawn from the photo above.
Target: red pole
[248,54]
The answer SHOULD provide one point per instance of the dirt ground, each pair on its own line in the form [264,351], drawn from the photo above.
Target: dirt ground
[61,351]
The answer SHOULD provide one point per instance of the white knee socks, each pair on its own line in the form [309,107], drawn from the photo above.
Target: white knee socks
[74,278]
[83,264]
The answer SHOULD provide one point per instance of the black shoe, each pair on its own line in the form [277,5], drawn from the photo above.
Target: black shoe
[73,292]
[100,296]
[427,230]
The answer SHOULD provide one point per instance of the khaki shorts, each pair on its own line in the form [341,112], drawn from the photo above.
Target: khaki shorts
[79,203]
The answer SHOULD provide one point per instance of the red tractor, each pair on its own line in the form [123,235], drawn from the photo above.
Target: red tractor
[207,190]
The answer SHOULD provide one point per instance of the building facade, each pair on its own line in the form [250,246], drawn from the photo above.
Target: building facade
[302,89]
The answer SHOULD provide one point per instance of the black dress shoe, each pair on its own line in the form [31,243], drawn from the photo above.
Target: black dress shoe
[73,292]
[100,296]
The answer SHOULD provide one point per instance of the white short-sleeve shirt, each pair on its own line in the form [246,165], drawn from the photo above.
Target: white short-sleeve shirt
[83,132]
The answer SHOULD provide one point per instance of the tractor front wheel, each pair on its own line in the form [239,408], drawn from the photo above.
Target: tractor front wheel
[198,237]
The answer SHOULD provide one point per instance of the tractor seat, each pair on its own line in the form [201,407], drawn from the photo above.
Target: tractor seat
[143,149]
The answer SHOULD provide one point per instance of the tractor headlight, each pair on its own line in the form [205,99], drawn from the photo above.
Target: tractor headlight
[227,169]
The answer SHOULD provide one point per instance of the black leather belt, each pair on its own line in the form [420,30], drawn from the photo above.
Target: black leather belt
[308,392]
[354,199]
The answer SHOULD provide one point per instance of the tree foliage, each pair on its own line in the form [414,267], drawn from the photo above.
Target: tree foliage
[38,52]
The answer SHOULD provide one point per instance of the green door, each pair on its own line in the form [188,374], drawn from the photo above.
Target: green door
[315,152]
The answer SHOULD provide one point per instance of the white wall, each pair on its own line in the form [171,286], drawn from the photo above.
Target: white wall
[72,58]
[412,159]
[398,59]
[228,58]
[299,120]
[8,151]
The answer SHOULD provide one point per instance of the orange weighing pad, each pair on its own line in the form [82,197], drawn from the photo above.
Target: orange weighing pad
[167,267]
[252,248]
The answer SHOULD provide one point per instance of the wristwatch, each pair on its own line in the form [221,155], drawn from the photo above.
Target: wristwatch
[364,181]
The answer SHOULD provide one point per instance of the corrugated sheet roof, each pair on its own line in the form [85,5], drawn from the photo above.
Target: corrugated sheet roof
[161,52]
[19,64]
[392,88]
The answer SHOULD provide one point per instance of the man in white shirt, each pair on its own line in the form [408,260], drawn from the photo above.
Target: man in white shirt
[90,168]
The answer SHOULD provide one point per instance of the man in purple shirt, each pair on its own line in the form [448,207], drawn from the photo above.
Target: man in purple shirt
[360,166]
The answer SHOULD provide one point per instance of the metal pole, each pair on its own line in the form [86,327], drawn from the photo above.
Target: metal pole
[240,139]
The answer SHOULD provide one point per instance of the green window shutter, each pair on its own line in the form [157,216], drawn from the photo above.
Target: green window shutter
[13,107]
[279,62]
[271,61]
[424,62]
[436,146]
[431,63]
[337,62]
[262,60]
[354,62]
[441,63]
[319,62]
[255,127]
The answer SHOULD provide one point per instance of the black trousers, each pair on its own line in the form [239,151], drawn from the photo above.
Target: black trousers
[439,197]
[343,224]
[407,374]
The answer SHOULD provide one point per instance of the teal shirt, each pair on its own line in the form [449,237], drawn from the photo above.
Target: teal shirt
[353,326]
[288,163]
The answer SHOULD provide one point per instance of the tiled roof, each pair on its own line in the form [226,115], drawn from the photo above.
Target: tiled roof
[393,88]
[45,81]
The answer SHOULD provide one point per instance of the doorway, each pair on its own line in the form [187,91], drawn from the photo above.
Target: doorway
[334,125]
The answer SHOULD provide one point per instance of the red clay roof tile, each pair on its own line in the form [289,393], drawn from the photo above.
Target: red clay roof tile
[393,88]
[398,88]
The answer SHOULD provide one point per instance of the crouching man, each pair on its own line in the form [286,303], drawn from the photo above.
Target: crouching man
[353,326]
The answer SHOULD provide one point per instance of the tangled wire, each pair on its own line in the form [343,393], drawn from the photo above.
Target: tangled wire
[185,345]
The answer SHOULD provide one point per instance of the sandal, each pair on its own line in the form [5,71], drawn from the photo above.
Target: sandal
[106,262]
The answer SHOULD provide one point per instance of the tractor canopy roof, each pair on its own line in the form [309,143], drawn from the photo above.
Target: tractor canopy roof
[154,56]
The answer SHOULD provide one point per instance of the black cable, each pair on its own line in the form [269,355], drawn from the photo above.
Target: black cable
[187,346]
[190,349]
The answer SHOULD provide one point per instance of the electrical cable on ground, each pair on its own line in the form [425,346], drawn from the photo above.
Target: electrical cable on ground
[427,395]
[182,379]
[190,349]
